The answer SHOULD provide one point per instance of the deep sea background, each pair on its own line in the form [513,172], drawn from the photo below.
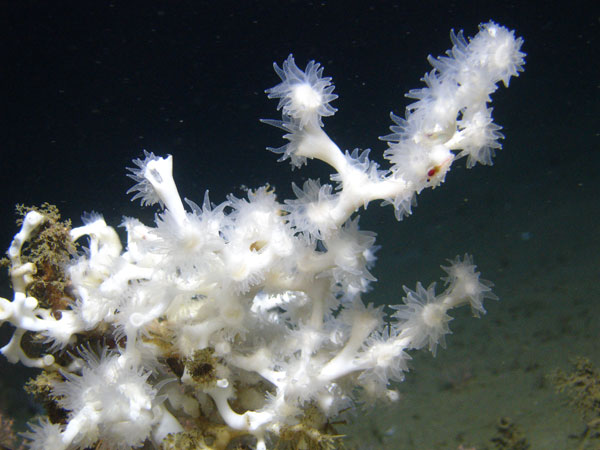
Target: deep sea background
[87,86]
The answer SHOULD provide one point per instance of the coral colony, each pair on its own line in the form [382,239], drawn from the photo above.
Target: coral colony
[242,322]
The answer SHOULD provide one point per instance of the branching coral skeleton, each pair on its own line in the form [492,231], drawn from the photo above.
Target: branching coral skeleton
[246,318]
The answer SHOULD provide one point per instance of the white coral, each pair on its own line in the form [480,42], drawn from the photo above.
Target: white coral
[304,94]
[257,300]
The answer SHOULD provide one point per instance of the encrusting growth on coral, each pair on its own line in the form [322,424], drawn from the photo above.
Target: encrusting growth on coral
[582,386]
[41,389]
[201,367]
[509,436]
[49,249]
[314,432]
[243,324]
[204,436]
